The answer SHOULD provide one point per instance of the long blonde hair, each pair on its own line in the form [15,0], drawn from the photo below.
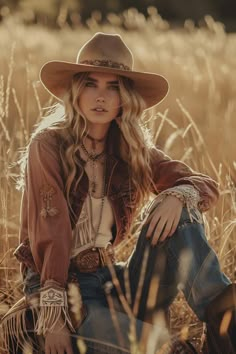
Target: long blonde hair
[127,136]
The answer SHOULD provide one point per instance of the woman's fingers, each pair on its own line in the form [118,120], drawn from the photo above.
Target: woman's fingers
[158,230]
[164,219]
[69,349]
[153,223]
[175,224]
[53,350]
[166,230]
[58,342]
[61,350]
[173,229]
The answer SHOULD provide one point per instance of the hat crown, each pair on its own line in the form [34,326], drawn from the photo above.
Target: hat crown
[106,50]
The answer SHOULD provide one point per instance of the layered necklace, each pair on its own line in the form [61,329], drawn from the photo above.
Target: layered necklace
[92,159]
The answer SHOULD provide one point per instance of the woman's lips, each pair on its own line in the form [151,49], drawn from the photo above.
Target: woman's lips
[99,109]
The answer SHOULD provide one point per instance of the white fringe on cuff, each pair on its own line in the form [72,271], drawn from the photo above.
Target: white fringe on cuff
[45,310]
[14,326]
[53,306]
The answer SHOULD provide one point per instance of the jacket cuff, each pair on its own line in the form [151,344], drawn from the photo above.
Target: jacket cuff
[188,195]
[53,307]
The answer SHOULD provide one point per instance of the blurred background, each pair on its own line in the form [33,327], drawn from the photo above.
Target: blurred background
[191,42]
[54,12]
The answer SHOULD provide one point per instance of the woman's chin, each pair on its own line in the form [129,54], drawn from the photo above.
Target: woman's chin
[98,120]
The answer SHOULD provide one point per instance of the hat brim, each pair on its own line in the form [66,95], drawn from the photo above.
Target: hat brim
[56,77]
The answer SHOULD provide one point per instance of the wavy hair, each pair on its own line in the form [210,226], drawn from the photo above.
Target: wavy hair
[128,137]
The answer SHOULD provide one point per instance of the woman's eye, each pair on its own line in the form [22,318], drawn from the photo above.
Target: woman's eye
[114,87]
[89,84]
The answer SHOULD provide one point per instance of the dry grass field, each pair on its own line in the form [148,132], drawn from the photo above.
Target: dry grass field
[196,123]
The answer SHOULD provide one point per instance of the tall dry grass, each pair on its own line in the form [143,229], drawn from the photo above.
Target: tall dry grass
[196,123]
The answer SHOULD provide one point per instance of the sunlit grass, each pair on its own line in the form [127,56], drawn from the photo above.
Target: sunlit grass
[196,123]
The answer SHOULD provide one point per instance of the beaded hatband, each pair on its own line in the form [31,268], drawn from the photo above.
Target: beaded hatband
[106,63]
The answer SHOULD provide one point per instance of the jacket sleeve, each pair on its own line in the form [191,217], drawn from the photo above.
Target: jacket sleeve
[49,226]
[169,173]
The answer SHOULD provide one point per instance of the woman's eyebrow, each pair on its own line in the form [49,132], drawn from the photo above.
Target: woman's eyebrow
[91,79]
[115,82]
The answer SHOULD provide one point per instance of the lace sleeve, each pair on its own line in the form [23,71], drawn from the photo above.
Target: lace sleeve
[187,194]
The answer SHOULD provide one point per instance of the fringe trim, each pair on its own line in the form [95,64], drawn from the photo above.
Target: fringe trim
[48,317]
[81,232]
[15,331]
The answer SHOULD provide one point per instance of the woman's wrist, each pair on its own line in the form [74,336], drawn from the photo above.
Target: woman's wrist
[186,193]
[52,282]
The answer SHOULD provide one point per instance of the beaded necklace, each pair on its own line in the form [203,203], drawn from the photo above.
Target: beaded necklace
[93,158]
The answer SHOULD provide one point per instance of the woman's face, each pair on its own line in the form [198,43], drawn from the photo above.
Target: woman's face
[100,100]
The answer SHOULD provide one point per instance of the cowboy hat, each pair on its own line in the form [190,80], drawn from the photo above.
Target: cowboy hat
[104,53]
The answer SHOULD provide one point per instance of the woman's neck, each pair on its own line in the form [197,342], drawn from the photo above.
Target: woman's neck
[96,137]
[98,131]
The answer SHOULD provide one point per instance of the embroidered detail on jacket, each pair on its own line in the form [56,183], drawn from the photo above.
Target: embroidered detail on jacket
[53,297]
[47,192]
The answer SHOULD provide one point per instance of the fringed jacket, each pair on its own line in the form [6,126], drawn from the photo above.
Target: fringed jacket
[47,221]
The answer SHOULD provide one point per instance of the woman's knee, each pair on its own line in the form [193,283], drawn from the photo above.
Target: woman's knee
[189,216]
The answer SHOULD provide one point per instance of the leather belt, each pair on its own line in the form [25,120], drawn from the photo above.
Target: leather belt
[90,260]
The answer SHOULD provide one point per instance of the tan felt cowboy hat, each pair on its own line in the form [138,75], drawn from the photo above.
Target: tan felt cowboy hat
[104,53]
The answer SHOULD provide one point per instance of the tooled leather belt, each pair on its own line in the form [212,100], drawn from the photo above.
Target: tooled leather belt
[90,260]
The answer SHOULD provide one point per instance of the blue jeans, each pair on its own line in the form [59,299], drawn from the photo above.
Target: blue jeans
[184,261]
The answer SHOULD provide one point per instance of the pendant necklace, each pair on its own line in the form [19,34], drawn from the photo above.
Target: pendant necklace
[93,158]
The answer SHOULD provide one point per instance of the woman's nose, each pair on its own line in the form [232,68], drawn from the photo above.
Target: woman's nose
[100,99]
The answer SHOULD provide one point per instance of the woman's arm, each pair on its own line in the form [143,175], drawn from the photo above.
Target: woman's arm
[177,185]
[49,230]
[49,227]
[169,173]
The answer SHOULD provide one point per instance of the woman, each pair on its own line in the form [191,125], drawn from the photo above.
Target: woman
[87,176]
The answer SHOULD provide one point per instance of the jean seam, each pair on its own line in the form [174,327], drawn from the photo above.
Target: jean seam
[176,259]
[195,278]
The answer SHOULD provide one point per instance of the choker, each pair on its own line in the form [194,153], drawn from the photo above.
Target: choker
[95,141]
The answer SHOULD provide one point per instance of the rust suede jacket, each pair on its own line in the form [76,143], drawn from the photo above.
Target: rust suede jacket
[47,221]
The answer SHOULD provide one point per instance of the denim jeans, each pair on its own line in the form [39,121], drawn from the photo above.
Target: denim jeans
[184,262]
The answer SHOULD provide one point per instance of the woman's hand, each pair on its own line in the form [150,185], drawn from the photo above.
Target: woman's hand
[164,220]
[59,341]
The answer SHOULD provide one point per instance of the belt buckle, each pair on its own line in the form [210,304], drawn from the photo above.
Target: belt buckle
[88,261]
[91,259]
